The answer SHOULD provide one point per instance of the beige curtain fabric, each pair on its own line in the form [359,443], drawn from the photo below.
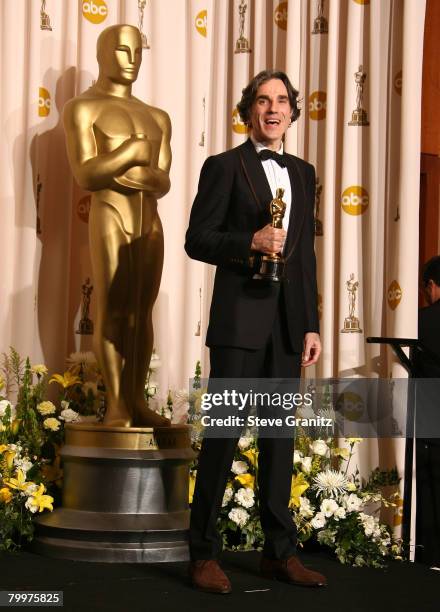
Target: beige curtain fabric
[358,66]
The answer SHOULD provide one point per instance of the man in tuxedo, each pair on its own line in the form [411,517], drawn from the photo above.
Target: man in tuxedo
[428,449]
[257,329]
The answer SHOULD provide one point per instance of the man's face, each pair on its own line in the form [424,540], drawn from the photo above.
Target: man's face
[121,60]
[432,292]
[271,112]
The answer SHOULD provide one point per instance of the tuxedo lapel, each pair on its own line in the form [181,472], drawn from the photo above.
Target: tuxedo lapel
[255,175]
[297,208]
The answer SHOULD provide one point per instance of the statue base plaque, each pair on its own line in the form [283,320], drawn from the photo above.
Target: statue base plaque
[125,496]
[242,45]
[359,117]
[85,327]
[351,326]
[271,269]
[320,26]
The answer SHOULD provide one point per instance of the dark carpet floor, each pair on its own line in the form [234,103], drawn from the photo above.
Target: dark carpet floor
[88,587]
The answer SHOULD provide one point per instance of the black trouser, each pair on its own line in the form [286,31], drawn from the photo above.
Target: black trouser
[275,461]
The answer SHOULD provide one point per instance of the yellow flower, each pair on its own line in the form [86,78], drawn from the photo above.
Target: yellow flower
[9,458]
[3,447]
[192,484]
[252,455]
[2,382]
[298,486]
[344,453]
[5,495]
[18,483]
[52,424]
[15,425]
[66,380]
[46,408]
[38,501]
[246,480]
[39,369]
[353,440]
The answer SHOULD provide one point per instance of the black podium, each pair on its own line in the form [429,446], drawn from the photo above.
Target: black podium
[427,549]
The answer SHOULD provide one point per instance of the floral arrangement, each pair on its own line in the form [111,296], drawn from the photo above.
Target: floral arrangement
[330,506]
[31,434]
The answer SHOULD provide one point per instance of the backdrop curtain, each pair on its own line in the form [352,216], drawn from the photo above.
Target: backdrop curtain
[342,55]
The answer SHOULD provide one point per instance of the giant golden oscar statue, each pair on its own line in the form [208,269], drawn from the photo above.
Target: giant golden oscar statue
[125,486]
[119,149]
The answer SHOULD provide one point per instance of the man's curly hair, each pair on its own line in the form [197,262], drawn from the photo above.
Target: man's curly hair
[249,94]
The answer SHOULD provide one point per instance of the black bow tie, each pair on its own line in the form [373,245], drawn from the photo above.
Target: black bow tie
[269,154]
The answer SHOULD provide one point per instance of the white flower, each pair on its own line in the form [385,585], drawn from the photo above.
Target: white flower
[330,482]
[227,496]
[52,424]
[180,406]
[352,502]
[297,456]
[306,464]
[30,505]
[45,408]
[239,516]
[151,388]
[245,497]
[339,513]
[23,464]
[69,416]
[319,447]
[82,358]
[3,405]
[305,507]
[328,507]
[155,362]
[239,467]
[244,442]
[31,488]
[318,521]
[39,368]
[90,386]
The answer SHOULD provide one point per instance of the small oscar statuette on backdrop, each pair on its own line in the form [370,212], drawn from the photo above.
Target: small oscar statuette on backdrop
[272,266]
[318,222]
[202,136]
[85,327]
[351,323]
[242,43]
[44,17]
[320,23]
[359,115]
[141,8]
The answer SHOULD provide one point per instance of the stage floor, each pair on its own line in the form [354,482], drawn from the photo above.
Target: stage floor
[165,587]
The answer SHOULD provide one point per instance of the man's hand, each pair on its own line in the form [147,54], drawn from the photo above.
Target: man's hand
[312,349]
[269,240]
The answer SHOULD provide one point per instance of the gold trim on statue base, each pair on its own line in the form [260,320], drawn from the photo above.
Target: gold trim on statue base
[131,438]
[351,326]
[359,117]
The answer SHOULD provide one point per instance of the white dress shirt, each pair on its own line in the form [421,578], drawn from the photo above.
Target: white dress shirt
[277,177]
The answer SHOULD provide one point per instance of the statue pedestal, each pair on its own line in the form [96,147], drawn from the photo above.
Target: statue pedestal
[125,496]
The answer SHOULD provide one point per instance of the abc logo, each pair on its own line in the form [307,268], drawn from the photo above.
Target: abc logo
[280,15]
[94,10]
[201,22]
[350,405]
[362,1]
[237,124]
[394,295]
[398,83]
[83,208]
[355,200]
[43,102]
[317,105]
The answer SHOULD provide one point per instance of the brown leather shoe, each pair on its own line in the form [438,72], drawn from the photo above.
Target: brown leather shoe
[207,575]
[291,570]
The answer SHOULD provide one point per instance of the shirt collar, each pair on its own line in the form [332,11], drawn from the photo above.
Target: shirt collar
[260,146]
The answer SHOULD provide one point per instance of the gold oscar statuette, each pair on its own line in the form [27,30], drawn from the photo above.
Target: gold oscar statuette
[272,266]
[359,115]
[320,23]
[242,43]
[351,323]
[119,149]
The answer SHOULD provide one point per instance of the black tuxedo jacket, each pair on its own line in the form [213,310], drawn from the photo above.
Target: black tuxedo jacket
[232,203]
[428,365]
